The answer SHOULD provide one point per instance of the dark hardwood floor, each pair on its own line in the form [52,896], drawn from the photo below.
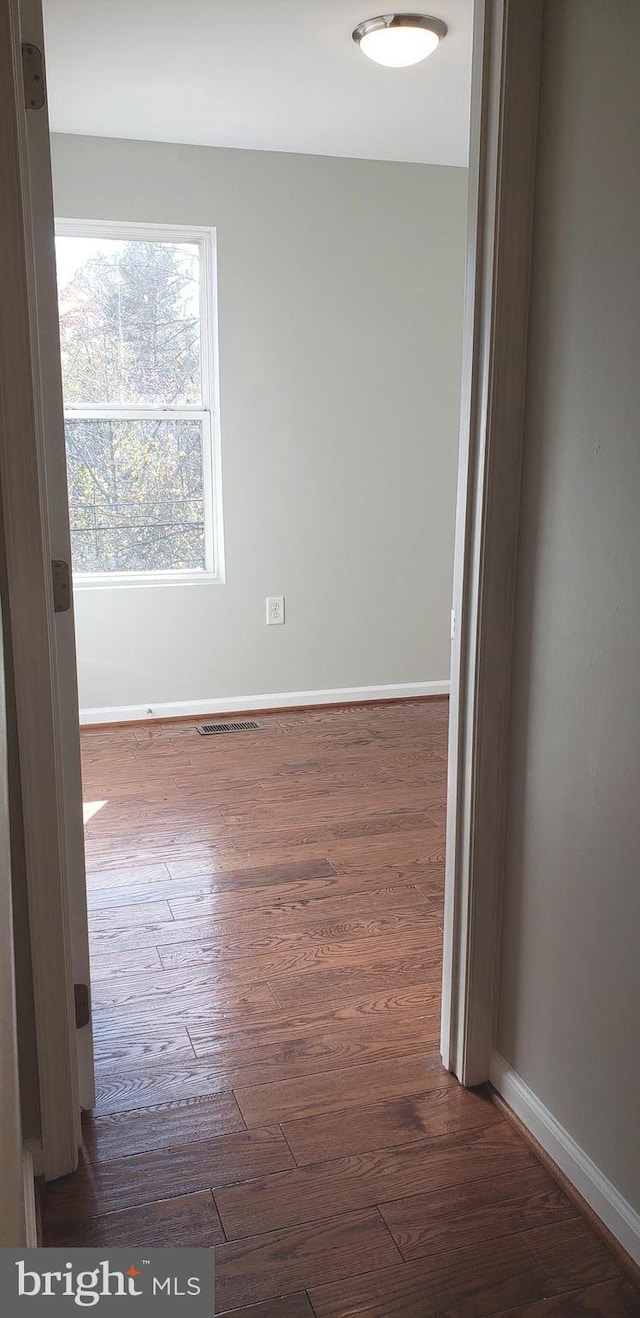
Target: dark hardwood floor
[266,914]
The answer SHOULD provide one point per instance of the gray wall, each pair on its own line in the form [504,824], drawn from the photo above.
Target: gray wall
[570,988]
[340,307]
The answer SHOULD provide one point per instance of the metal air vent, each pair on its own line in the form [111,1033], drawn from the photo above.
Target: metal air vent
[213,729]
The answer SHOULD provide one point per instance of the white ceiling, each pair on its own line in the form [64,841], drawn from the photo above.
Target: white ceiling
[274,75]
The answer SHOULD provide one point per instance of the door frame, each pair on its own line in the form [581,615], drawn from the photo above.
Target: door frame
[504,118]
[13,1216]
[31,624]
[506,73]
[37,165]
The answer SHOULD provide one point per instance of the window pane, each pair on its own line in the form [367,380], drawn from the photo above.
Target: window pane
[136,495]
[129,321]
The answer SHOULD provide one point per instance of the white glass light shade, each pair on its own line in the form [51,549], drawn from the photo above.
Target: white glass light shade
[399,40]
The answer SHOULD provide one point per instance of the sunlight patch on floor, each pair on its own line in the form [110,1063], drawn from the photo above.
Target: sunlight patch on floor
[91,808]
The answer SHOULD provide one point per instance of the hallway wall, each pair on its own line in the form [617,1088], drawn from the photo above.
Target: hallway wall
[570,986]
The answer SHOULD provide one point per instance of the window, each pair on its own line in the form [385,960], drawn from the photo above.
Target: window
[138,371]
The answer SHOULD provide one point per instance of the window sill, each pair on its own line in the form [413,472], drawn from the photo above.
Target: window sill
[127,580]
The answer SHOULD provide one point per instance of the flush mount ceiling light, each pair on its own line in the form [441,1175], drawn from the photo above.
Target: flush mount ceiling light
[399,39]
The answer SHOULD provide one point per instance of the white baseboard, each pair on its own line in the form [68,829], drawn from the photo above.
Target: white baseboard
[347,695]
[618,1215]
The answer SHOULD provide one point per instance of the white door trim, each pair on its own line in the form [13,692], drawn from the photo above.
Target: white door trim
[13,1214]
[506,77]
[30,629]
[38,163]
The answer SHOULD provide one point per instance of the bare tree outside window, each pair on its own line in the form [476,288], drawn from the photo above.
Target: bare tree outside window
[136,422]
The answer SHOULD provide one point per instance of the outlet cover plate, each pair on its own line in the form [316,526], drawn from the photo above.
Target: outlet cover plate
[275,610]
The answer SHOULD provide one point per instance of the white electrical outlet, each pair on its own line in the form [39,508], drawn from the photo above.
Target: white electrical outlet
[275,610]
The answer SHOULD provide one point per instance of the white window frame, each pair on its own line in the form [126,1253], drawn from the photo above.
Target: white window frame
[208,412]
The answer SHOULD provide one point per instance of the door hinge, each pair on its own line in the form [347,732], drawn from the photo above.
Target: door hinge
[83,1006]
[33,76]
[61,574]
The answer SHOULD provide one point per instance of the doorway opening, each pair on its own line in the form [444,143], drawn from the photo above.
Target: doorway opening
[265,909]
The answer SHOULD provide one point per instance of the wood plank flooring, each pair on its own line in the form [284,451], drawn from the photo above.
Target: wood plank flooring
[266,923]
